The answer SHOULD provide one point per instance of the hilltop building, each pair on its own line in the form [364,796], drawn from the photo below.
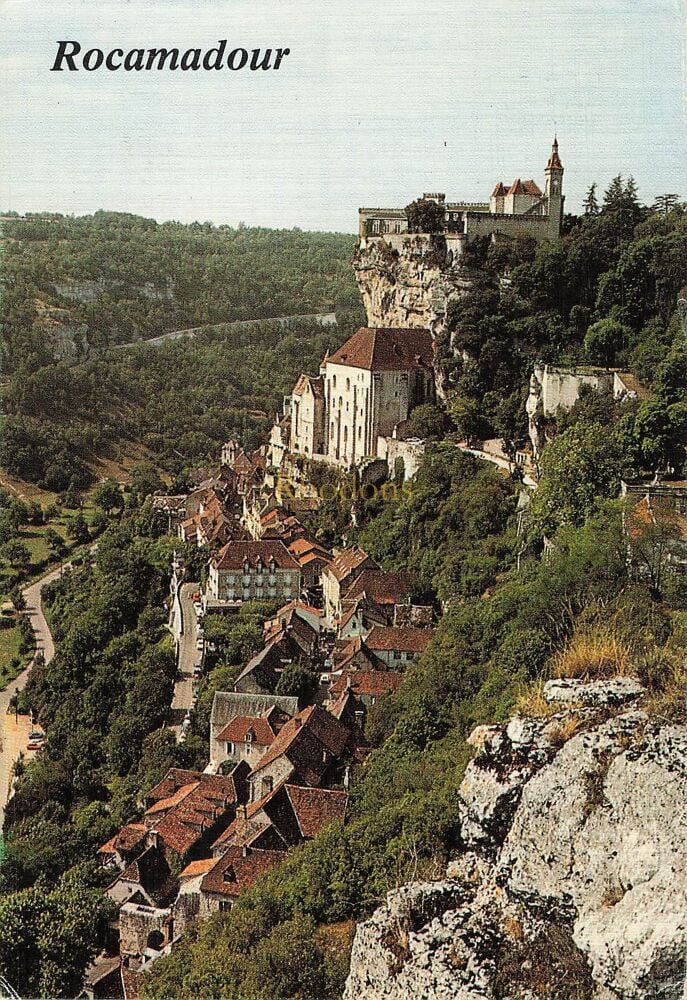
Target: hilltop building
[518,209]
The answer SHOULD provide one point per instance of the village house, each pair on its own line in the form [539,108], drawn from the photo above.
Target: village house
[396,647]
[245,571]
[378,593]
[231,874]
[262,672]
[340,574]
[355,691]
[284,817]
[309,750]
[307,416]
[227,706]
[247,737]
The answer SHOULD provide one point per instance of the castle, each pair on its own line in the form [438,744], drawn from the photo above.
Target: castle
[521,209]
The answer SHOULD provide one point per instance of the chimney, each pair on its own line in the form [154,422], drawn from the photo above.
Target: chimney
[244,851]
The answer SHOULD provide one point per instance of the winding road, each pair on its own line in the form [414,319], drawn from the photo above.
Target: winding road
[14,733]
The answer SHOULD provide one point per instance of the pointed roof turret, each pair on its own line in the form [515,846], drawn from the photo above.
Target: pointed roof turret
[554,160]
[499,191]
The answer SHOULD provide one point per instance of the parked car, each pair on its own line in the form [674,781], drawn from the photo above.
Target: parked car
[36,740]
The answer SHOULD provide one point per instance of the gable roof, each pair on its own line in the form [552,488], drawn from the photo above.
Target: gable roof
[183,816]
[367,682]
[525,187]
[306,741]
[499,191]
[314,383]
[347,561]
[316,807]
[381,586]
[237,869]
[235,554]
[404,640]
[386,349]
[237,730]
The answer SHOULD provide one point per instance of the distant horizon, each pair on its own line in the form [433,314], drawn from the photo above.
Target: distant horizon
[373,106]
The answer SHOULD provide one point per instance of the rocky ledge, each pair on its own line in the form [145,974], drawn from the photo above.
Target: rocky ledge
[572,881]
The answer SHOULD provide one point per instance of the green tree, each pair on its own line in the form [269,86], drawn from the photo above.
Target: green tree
[579,468]
[298,680]
[107,496]
[18,599]
[425,216]
[17,554]
[78,529]
[605,339]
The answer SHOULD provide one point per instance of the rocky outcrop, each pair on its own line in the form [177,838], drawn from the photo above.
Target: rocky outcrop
[409,280]
[573,878]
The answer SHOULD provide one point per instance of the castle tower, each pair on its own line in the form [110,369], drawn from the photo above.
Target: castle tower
[554,191]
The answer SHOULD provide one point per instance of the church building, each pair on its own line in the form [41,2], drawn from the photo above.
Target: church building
[367,387]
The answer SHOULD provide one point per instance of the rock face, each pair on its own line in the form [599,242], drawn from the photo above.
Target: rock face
[410,280]
[573,878]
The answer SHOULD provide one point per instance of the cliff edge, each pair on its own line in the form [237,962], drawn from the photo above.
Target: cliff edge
[572,881]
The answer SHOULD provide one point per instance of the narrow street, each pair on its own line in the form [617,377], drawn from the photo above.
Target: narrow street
[14,733]
[189,657]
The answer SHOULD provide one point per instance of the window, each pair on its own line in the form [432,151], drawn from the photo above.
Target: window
[224,905]
[397,654]
[348,385]
[230,747]
[334,381]
[266,785]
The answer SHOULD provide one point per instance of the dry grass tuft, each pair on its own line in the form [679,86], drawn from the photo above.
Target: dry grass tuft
[562,730]
[593,656]
[533,705]
[613,895]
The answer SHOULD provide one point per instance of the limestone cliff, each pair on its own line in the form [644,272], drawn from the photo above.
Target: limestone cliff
[572,881]
[408,280]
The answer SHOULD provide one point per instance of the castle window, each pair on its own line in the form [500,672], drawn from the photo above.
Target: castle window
[334,381]
[348,385]
[360,432]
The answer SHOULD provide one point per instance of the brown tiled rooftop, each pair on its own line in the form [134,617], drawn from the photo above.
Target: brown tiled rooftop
[235,554]
[386,349]
[405,640]
[316,807]
[239,727]
[369,682]
[236,870]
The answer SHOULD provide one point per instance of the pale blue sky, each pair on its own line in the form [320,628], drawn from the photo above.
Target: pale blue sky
[377,102]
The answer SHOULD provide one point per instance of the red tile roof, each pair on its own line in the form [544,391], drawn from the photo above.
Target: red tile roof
[525,187]
[302,741]
[405,640]
[381,587]
[197,868]
[236,870]
[316,807]
[386,349]
[127,839]
[347,561]
[499,191]
[370,682]
[182,817]
[239,727]
[235,554]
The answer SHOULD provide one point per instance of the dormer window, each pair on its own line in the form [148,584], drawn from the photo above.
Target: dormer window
[250,736]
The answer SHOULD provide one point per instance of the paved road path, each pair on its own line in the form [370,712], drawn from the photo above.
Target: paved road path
[14,733]
[189,657]
[324,319]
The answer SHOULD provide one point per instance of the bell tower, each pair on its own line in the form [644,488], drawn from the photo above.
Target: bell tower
[554,191]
